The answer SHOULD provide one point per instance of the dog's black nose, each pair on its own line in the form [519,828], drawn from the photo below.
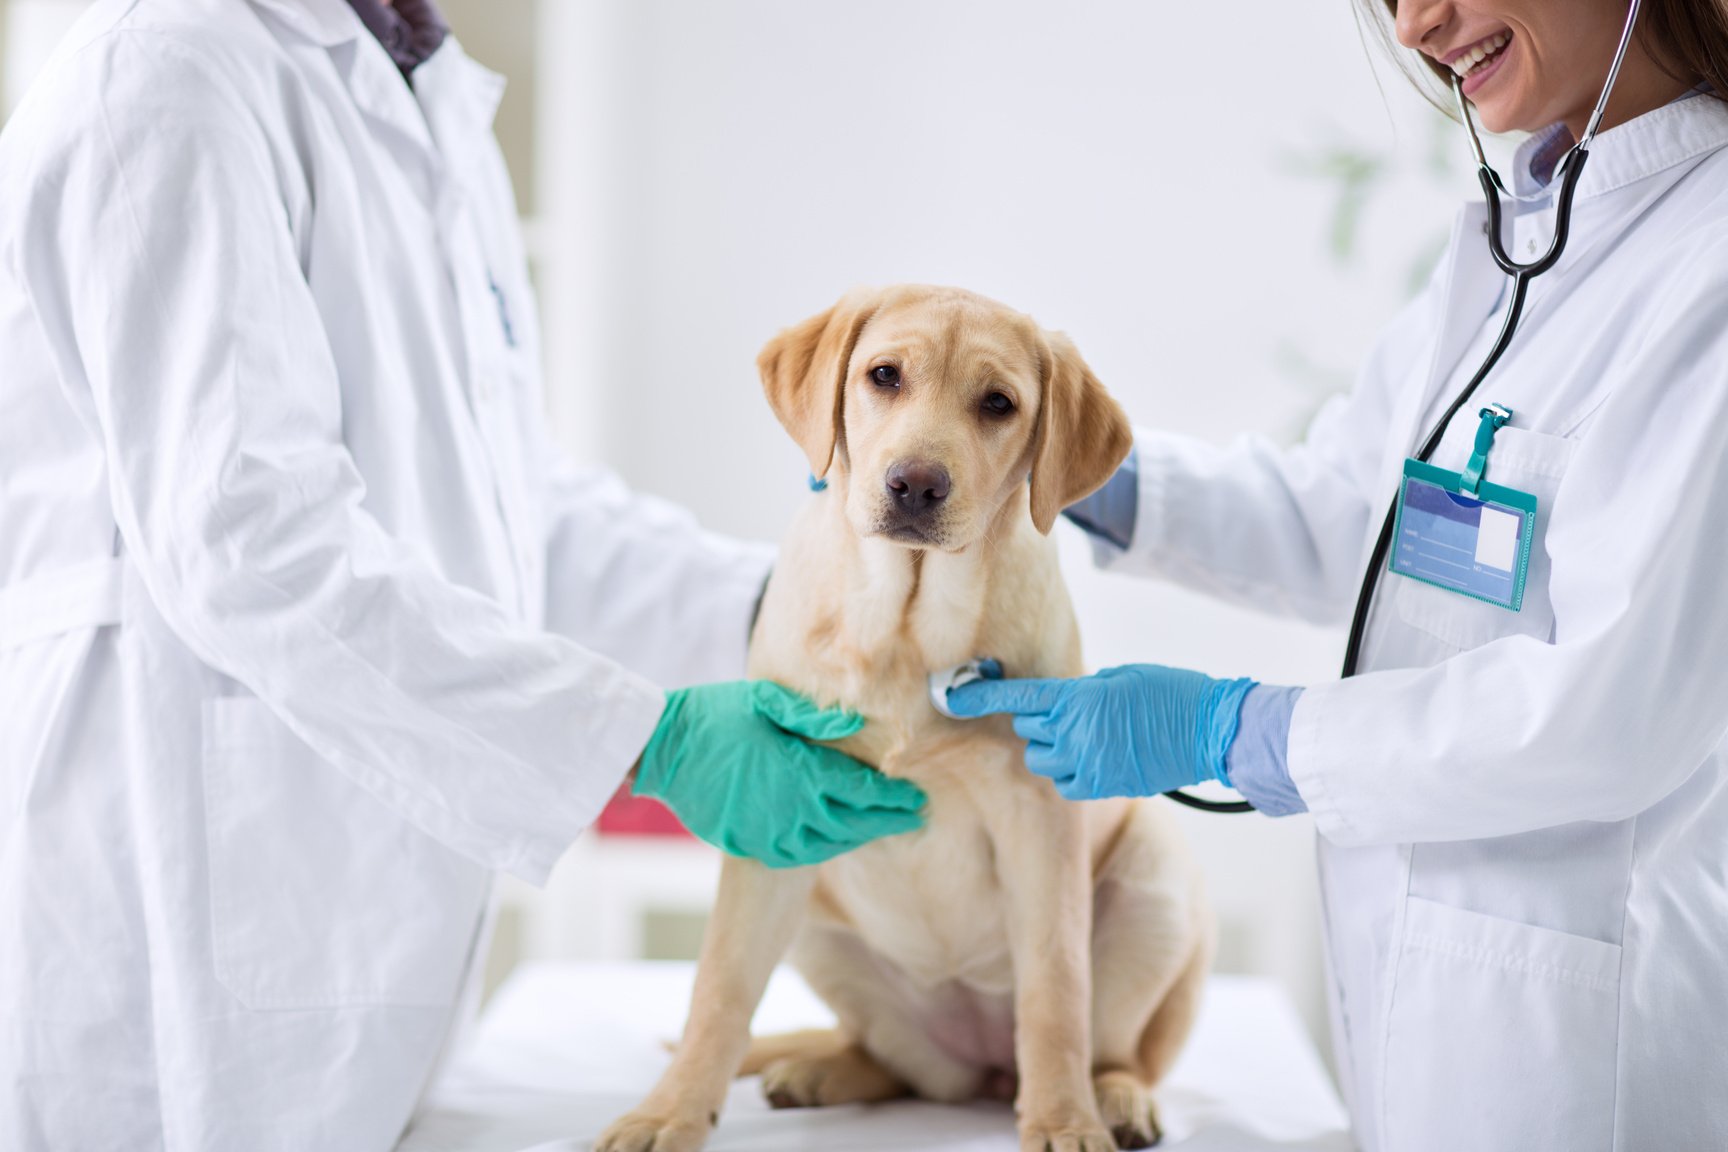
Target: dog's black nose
[916,486]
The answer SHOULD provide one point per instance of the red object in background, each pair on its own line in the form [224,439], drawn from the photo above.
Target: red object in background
[627,815]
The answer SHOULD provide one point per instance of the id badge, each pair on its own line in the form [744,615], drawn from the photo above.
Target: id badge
[1478,547]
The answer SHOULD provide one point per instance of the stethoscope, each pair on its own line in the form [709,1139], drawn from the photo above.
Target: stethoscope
[1571,166]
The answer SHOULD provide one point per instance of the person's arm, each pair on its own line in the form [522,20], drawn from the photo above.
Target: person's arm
[164,274]
[1629,699]
[635,578]
[1278,529]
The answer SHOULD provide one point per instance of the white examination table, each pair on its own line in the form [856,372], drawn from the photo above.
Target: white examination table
[564,1049]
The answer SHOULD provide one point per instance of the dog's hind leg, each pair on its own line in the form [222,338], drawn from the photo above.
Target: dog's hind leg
[879,1024]
[1151,947]
[820,1069]
[765,1050]
[1174,1019]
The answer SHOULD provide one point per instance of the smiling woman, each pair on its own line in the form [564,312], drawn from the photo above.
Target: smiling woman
[1530,63]
[1519,864]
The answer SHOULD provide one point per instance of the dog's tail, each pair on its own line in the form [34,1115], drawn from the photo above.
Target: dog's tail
[765,1050]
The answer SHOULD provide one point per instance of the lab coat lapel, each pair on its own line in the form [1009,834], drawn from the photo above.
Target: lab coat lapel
[390,110]
[324,22]
[1472,286]
[441,119]
[459,99]
[385,103]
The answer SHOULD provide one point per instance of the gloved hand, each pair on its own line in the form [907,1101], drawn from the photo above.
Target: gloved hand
[1137,730]
[732,762]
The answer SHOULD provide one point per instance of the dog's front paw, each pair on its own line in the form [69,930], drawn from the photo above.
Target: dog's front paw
[1077,1133]
[650,1132]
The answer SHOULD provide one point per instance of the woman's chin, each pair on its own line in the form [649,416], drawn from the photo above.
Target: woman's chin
[1503,116]
[1489,120]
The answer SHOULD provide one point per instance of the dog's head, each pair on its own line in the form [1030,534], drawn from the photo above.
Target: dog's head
[933,405]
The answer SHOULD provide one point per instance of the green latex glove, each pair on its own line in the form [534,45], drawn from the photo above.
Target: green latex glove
[733,762]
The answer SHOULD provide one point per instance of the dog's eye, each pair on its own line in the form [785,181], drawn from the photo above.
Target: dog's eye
[886,375]
[998,404]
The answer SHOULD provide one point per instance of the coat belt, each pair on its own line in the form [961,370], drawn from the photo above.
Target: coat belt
[83,596]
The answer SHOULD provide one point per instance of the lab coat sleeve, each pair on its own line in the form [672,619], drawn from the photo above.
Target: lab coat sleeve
[1627,701]
[1274,528]
[165,275]
[636,578]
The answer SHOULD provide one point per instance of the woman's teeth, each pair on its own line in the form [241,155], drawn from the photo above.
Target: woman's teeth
[1481,53]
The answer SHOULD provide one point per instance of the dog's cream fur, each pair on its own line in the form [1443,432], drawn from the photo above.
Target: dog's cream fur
[1018,939]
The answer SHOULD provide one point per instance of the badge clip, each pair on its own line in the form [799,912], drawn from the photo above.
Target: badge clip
[1494,418]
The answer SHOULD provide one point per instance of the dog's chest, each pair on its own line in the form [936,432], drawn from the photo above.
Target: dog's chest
[912,612]
[928,904]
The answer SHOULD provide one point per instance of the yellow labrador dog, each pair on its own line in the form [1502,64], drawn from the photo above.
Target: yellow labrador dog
[1019,944]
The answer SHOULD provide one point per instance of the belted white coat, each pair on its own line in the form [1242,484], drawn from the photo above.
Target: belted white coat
[1523,816]
[304,630]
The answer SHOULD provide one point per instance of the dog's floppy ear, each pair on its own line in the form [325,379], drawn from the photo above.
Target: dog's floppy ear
[1082,433]
[804,373]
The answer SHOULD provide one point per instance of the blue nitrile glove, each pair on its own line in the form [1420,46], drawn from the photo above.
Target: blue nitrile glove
[733,762]
[1137,730]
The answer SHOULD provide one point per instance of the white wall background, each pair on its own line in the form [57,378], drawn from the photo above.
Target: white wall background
[1160,180]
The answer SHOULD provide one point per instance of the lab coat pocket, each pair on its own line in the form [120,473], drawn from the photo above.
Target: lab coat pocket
[322,896]
[1500,1035]
[1533,462]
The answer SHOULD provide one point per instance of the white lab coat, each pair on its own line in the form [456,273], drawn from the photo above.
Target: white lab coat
[1523,816]
[300,620]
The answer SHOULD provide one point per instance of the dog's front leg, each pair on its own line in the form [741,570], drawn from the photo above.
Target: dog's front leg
[755,916]
[1046,876]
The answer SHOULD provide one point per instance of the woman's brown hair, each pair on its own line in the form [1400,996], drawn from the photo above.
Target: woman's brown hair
[1687,38]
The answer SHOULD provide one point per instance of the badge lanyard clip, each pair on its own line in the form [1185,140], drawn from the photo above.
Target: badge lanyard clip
[1494,417]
